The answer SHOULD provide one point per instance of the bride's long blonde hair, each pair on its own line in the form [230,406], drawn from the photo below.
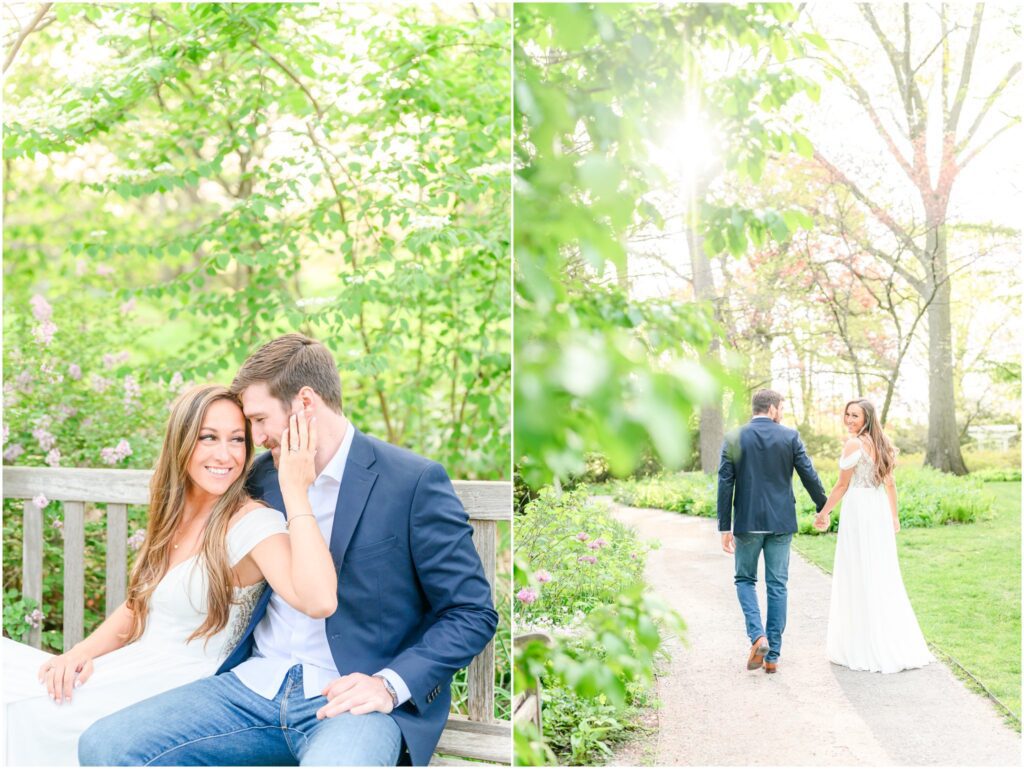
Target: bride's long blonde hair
[167,491]
[885,452]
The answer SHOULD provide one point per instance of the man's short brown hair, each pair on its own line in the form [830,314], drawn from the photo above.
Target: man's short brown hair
[289,363]
[765,399]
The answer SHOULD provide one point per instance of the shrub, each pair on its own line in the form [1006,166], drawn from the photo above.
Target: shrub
[926,497]
[585,555]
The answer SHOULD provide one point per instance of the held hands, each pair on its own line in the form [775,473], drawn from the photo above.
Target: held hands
[64,673]
[822,521]
[356,693]
[296,470]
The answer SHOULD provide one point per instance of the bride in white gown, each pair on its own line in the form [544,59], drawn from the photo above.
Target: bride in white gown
[209,552]
[871,624]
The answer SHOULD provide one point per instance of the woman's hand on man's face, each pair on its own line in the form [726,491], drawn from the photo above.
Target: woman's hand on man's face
[296,468]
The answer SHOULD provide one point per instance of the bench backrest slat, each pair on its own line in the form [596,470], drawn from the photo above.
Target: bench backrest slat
[32,561]
[117,555]
[74,573]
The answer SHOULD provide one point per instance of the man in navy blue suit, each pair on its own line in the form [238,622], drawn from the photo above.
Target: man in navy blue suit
[757,513]
[370,684]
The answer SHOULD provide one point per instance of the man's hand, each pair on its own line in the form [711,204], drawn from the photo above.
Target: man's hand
[822,522]
[728,543]
[356,693]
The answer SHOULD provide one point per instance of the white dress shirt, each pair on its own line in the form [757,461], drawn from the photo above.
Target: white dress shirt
[285,636]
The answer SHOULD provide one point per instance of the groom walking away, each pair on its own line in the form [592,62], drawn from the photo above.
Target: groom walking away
[757,513]
[371,683]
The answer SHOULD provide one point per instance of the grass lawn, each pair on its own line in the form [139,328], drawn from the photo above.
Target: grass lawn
[964,583]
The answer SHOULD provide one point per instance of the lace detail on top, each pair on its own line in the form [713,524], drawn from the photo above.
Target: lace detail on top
[863,470]
[245,601]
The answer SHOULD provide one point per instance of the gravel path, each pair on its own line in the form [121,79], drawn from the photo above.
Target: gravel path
[716,713]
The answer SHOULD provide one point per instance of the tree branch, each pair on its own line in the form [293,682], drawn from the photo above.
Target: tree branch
[880,213]
[973,153]
[291,76]
[992,97]
[25,33]
[965,73]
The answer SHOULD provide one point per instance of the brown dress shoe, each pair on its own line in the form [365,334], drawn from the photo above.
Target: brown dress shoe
[771,667]
[757,652]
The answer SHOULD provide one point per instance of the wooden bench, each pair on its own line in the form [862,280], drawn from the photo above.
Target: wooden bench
[476,737]
[527,704]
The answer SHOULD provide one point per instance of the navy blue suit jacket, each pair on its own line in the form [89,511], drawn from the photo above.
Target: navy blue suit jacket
[755,478]
[412,595]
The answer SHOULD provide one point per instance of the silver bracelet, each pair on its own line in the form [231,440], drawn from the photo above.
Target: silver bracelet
[288,525]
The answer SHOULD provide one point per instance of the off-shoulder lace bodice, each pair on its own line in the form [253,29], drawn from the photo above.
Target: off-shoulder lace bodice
[863,469]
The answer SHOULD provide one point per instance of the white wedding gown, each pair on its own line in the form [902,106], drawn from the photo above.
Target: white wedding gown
[41,733]
[871,624]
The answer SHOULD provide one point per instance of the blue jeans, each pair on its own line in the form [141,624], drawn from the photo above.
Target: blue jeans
[776,573]
[220,721]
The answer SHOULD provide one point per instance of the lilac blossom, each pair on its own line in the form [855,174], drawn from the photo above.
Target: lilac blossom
[132,391]
[44,332]
[53,457]
[74,371]
[13,451]
[99,384]
[136,539]
[177,381]
[114,455]
[35,619]
[7,433]
[41,309]
[40,501]
[45,437]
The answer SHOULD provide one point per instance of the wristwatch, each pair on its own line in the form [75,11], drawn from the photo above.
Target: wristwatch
[391,691]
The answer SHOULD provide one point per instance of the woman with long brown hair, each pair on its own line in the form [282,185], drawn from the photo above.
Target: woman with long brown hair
[871,624]
[208,553]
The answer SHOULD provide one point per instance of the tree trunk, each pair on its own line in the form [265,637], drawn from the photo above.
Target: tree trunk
[712,429]
[943,451]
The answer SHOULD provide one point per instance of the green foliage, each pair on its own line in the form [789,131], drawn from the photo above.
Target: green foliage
[557,536]
[582,731]
[203,177]
[248,174]
[607,632]
[926,496]
[997,474]
[595,87]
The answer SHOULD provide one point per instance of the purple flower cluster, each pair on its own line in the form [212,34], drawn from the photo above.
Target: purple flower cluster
[542,576]
[35,619]
[74,371]
[527,595]
[114,455]
[13,451]
[587,559]
[136,539]
[44,332]
[132,391]
[40,501]
[46,439]
[41,309]
[110,359]
[53,457]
